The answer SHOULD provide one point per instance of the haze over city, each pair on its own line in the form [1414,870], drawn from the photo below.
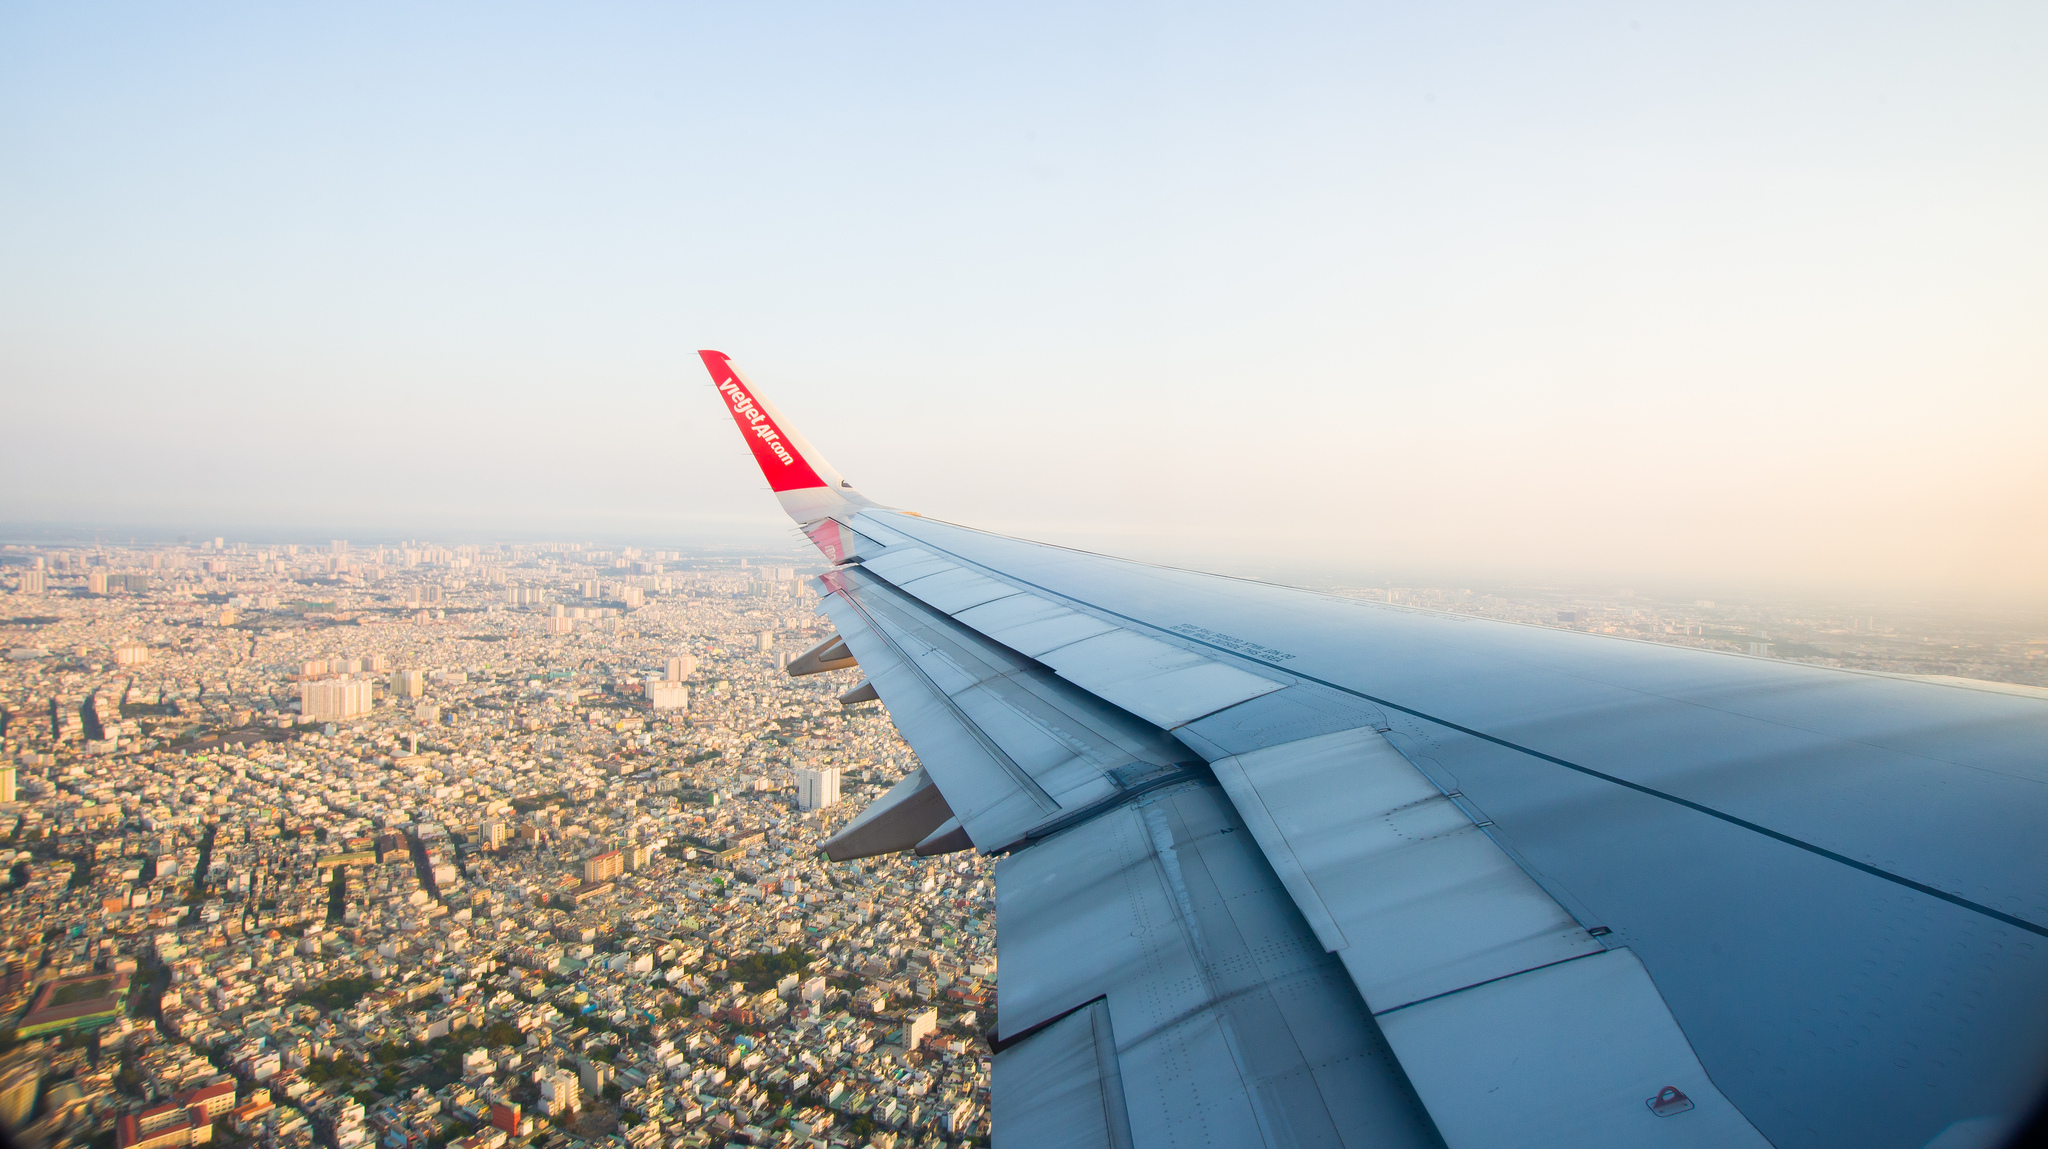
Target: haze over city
[1742,297]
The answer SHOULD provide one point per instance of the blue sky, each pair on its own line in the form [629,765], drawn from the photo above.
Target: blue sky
[1739,292]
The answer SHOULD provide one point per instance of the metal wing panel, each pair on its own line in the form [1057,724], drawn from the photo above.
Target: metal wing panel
[1063,1087]
[1232,1026]
[909,563]
[1032,625]
[1799,981]
[1418,900]
[841,543]
[979,783]
[1009,744]
[952,591]
[1566,1056]
[1163,684]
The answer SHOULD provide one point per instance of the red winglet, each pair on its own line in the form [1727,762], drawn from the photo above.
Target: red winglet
[780,460]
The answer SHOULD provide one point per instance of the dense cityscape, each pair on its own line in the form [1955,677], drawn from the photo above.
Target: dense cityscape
[466,846]
[510,845]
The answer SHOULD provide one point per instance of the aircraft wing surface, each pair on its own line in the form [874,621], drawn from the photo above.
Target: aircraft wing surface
[1281,868]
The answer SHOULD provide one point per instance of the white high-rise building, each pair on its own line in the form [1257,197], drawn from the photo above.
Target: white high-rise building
[409,683]
[919,1026]
[7,782]
[681,666]
[336,698]
[817,789]
[666,695]
[560,1093]
[33,582]
[131,654]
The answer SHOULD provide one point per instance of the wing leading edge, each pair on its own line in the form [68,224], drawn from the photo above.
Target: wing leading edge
[1551,887]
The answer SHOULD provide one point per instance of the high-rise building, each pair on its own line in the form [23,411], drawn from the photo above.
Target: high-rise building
[665,695]
[767,639]
[7,782]
[131,654]
[559,625]
[336,698]
[919,1026]
[559,1093]
[426,714]
[496,834]
[18,1081]
[604,867]
[633,597]
[96,582]
[817,789]
[409,683]
[33,582]
[681,666]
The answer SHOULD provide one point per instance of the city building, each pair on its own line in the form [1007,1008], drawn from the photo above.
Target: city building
[336,698]
[668,695]
[603,867]
[131,654]
[919,1026]
[560,1093]
[817,788]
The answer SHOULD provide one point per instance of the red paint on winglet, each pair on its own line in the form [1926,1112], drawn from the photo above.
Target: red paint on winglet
[784,467]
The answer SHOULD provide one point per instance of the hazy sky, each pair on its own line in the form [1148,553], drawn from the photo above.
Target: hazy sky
[1736,292]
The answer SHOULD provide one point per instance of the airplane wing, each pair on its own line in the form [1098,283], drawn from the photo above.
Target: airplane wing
[1280,868]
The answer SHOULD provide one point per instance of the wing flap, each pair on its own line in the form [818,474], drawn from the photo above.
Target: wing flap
[1231,1025]
[1064,1087]
[1010,744]
[1163,684]
[1568,1055]
[1413,896]
[1032,625]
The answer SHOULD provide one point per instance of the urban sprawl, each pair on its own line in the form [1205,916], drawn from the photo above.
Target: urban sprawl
[518,845]
[471,846]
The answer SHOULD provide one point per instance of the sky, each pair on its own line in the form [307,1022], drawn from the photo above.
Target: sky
[1702,295]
